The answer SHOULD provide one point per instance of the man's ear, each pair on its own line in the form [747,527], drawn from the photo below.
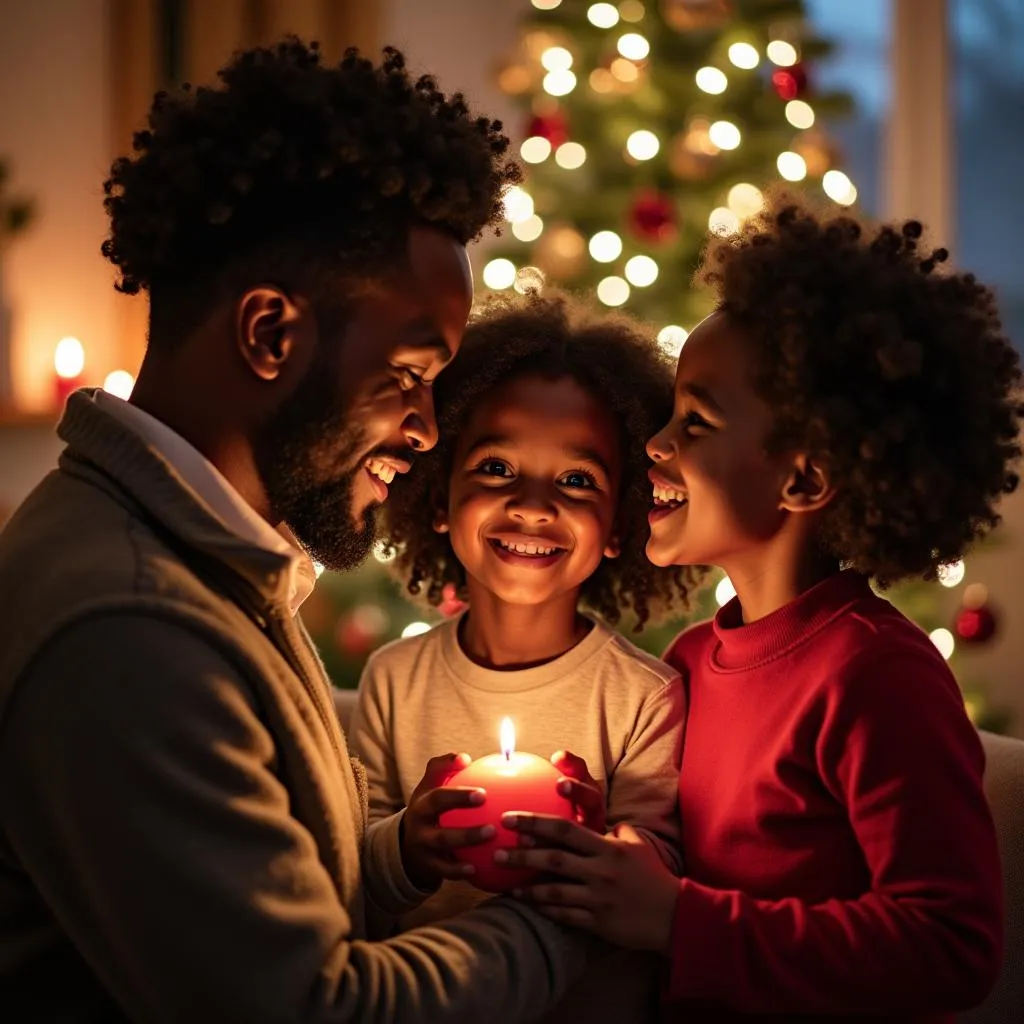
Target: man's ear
[270,327]
[808,486]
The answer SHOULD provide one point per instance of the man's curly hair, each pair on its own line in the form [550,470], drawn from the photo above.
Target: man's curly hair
[295,172]
[550,336]
[897,376]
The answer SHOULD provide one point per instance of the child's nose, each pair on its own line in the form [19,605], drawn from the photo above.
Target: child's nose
[531,506]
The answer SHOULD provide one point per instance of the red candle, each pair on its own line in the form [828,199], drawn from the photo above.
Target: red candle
[513,781]
[68,363]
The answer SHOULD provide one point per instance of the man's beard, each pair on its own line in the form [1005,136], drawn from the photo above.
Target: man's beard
[308,457]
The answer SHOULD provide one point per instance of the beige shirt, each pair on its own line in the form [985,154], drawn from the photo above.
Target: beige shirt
[619,708]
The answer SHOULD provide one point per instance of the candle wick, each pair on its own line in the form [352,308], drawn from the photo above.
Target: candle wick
[508,755]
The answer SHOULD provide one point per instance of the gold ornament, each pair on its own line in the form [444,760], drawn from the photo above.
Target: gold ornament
[560,252]
[690,15]
[692,154]
[514,79]
[819,153]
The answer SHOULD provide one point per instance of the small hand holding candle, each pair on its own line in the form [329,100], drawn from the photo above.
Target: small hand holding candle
[512,781]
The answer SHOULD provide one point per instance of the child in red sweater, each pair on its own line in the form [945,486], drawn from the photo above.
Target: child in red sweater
[845,414]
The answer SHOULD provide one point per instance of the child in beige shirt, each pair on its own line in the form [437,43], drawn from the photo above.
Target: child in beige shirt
[532,506]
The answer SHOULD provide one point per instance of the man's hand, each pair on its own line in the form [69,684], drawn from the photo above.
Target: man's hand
[615,885]
[426,847]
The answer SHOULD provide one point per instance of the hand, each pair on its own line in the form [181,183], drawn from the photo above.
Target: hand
[426,847]
[579,786]
[615,885]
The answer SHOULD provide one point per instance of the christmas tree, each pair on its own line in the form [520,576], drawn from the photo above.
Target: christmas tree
[644,125]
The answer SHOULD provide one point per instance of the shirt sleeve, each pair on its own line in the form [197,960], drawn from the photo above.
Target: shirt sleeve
[897,750]
[150,817]
[644,787]
[388,886]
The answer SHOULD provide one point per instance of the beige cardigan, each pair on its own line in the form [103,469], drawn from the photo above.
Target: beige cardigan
[181,828]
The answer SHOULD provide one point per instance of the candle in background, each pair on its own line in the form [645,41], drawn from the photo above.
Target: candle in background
[513,781]
[68,363]
[119,383]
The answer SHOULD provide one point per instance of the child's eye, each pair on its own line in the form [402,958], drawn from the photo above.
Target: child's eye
[494,467]
[693,422]
[578,479]
[407,379]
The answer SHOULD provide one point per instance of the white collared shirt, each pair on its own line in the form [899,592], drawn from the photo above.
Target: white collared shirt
[214,489]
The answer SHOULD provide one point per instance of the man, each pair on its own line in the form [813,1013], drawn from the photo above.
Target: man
[182,828]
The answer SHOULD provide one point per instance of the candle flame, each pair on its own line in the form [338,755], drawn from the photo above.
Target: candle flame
[69,358]
[508,737]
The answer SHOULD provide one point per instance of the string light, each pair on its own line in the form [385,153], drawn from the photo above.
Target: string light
[725,591]
[556,58]
[529,279]
[744,199]
[631,10]
[724,134]
[641,271]
[418,628]
[642,145]
[633,46]
[559,83]
[499,274]
[782,53]
[711,80]
[383,551]
[68,358]
[528,230]
[119,383]
[723,221]
[518,204]
[570,155]
[624,70]
[602,15]
[613,291]
[943,640]
[952,574]
[605,246]
[839,188]
[743,55]
[799,114]
[672,339]
[535,150]
[792,166]
[546,5]
[602,80]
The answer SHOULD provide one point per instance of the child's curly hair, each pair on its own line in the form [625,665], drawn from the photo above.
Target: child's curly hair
[297,172]
[898,377]
[552,336]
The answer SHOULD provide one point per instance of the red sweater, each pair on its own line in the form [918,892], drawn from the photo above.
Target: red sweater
[841,856]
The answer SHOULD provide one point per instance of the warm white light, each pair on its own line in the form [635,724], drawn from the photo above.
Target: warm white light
[602,15]
[602,80]
[119,383]
[943,640]
[556,58]
[518,204]
[416,628]
[711,80]
[624,70]
[546,5]
[725,591]
[536,149]
[672,339]
[318,568]
[570,155]
[631,10]
[723,221]
[529,279]
[839,188]
[499,273]
[383,551]
[507,737]
[792,166]
[613,291]
[641,271]
[528,230]
[743,55]
[724,134]
[642,145]
[799,114]
[69,358]
[745,199]
[633,46]
[605,246]
[559,83]
[782,53]
[952,574]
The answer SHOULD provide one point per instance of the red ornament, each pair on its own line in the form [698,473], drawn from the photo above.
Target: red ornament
[790,83]
[976,625]
[553,127]
[652,217]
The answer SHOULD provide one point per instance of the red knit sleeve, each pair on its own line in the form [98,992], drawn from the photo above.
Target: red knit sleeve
[898,751]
